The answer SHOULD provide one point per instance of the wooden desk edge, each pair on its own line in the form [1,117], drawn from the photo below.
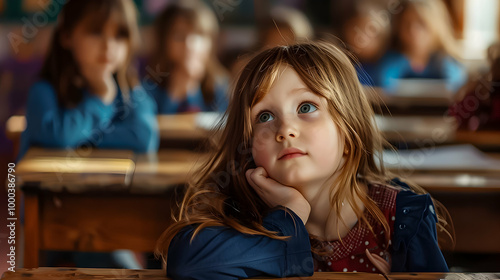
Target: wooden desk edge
[44,273]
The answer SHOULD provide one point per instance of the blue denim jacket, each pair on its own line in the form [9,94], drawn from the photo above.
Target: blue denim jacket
[224,253]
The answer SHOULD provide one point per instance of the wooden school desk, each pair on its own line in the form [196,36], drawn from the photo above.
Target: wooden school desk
[54,273]
[412,101]
[379,97]
[101,201]
[71,215]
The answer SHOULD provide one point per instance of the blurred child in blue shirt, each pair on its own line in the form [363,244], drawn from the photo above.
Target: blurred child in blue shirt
[184,74]
[366,35]
[424,47]
[88,94]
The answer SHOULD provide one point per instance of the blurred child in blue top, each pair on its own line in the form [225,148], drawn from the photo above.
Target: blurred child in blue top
[281,25]
[184,74]
[88,94]
[366,34]
[424,46]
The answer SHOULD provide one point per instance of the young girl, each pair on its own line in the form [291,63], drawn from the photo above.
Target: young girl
[423,47]
[295,171]
[88,94]
[186,36]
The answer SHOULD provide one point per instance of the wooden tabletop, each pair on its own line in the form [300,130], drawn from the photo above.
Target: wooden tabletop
[55,169]
[467,183]
[182,126]
[156,173]
[379,97]
[46,273]
[118,170]
[437,130]
[457,168]
[114,170]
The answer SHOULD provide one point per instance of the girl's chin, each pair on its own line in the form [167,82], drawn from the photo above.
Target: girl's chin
[291,182]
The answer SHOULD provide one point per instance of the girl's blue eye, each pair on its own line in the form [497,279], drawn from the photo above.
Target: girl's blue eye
[265,117]
[307,108]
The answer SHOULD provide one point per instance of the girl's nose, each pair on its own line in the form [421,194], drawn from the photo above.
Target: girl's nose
[286,130]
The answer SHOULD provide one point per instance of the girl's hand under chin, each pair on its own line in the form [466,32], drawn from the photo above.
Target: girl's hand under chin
[274,193]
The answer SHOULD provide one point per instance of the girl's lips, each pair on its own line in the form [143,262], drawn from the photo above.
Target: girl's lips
[292,155]
[289,153]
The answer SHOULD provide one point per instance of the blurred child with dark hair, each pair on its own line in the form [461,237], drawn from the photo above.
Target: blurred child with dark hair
[186,42]
[366,35]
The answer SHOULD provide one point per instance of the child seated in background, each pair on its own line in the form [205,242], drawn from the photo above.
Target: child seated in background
[280,26]
[89,96]
[185,48]
[283,26]
[366,34]
[424,47]
[478,102]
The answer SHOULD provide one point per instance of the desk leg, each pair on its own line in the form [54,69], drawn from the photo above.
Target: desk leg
[31,231]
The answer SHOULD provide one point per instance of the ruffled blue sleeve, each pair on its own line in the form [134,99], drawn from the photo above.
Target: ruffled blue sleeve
[415,245]
[224,253]
[50,125]
[134,126]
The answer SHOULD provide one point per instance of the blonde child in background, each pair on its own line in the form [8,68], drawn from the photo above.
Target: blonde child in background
[297,183]
[423,47]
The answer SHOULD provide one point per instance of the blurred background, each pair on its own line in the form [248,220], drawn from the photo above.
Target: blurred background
[417,60]
[364,27]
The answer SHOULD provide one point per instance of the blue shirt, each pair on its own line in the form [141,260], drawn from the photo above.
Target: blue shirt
[120,125]
[395,65]
[224,253]
[194,101]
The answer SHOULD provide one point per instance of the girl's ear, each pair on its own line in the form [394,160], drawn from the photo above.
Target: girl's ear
[346,150]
